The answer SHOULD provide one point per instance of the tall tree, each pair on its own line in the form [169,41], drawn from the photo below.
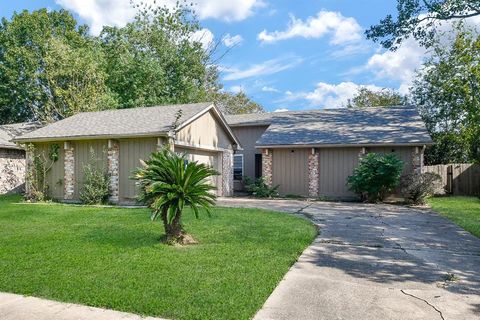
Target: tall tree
[370,98]
[236,103]
[76,81]
[420,19]
[153,60]
[446,92]
[30,44]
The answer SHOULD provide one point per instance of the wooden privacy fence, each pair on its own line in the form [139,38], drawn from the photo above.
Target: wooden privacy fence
[462,179]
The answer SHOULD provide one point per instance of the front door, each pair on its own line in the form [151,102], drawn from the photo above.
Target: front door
[258,165]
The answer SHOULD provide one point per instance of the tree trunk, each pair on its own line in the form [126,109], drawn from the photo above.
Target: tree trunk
[174,231]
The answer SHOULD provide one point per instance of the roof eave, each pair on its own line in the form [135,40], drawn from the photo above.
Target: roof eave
[91,137]
[339,145]
[251,124]
[4,146]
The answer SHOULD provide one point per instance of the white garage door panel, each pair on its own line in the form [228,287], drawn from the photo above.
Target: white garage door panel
[209,158]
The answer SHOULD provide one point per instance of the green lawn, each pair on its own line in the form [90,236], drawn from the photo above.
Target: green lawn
[112,258]
[464,211]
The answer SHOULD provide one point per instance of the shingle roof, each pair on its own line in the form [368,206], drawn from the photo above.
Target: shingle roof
[250,119]
[11,131]
[346,126]
[117,123]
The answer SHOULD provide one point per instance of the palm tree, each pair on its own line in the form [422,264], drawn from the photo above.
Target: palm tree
[168,184]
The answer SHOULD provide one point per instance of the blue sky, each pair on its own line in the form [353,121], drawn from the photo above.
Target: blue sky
[284,54]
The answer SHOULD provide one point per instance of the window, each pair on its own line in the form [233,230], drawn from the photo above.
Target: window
[237,166]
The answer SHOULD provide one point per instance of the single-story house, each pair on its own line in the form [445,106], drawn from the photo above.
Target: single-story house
[12,156]
[311,153]
[116,140]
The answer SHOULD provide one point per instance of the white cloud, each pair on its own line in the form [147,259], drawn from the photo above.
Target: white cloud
[236,89]
[327,95]
[231,41]
[98,13]
[280,110]
[265,68]
[269,89]
[342,29]
[204,36]
[351,50]
[401,65]
[398,65]
[231,10]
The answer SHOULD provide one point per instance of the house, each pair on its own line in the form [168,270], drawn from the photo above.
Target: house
[307,153]
[311,153]
[12,157]
[116,140]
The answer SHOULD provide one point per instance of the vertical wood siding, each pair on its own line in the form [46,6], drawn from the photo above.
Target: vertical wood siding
[290,171]
[93,152]
[131,152]
[403,153]
[335,165]
[56,174]
[205,131]
[248,136]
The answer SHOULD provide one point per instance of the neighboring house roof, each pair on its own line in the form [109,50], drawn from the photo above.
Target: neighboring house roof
[344,126]
[251,119]
[10,131]
[124,123]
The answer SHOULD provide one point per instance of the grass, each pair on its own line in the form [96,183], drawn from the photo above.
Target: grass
[112,258]
[464,211]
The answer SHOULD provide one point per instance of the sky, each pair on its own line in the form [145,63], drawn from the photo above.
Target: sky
[286,55]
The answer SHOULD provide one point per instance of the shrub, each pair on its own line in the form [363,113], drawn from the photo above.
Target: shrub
[416,187]
[168,184]
[39,164]
[376,176]
[259,188]
[95,186]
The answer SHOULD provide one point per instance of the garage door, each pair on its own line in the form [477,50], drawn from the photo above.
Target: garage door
[336,164]
[206,157]
[290,171]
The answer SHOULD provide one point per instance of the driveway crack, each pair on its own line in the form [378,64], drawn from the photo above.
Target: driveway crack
[428,303]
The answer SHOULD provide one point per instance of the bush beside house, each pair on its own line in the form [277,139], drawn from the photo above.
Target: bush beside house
[376,176]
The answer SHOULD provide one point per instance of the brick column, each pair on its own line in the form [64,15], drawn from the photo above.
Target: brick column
[227,173]
[267,163]
[69,175]
[113,155]
[313,172]
[417,161]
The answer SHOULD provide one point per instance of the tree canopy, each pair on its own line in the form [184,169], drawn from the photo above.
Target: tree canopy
[446,93]
[30,44]
[236,103]
[369,98]
[420,19]
[52,68]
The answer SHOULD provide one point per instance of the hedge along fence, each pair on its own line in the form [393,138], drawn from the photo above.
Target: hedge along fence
[460,179]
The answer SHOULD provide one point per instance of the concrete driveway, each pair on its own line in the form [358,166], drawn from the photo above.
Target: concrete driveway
[376,262]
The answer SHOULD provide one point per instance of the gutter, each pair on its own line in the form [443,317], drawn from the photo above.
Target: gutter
[389,144]
[92,137]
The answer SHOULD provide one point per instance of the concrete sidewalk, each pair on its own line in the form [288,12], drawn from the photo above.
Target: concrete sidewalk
[18,307]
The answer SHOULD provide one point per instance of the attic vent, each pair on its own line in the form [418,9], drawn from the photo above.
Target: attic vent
[292,151]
